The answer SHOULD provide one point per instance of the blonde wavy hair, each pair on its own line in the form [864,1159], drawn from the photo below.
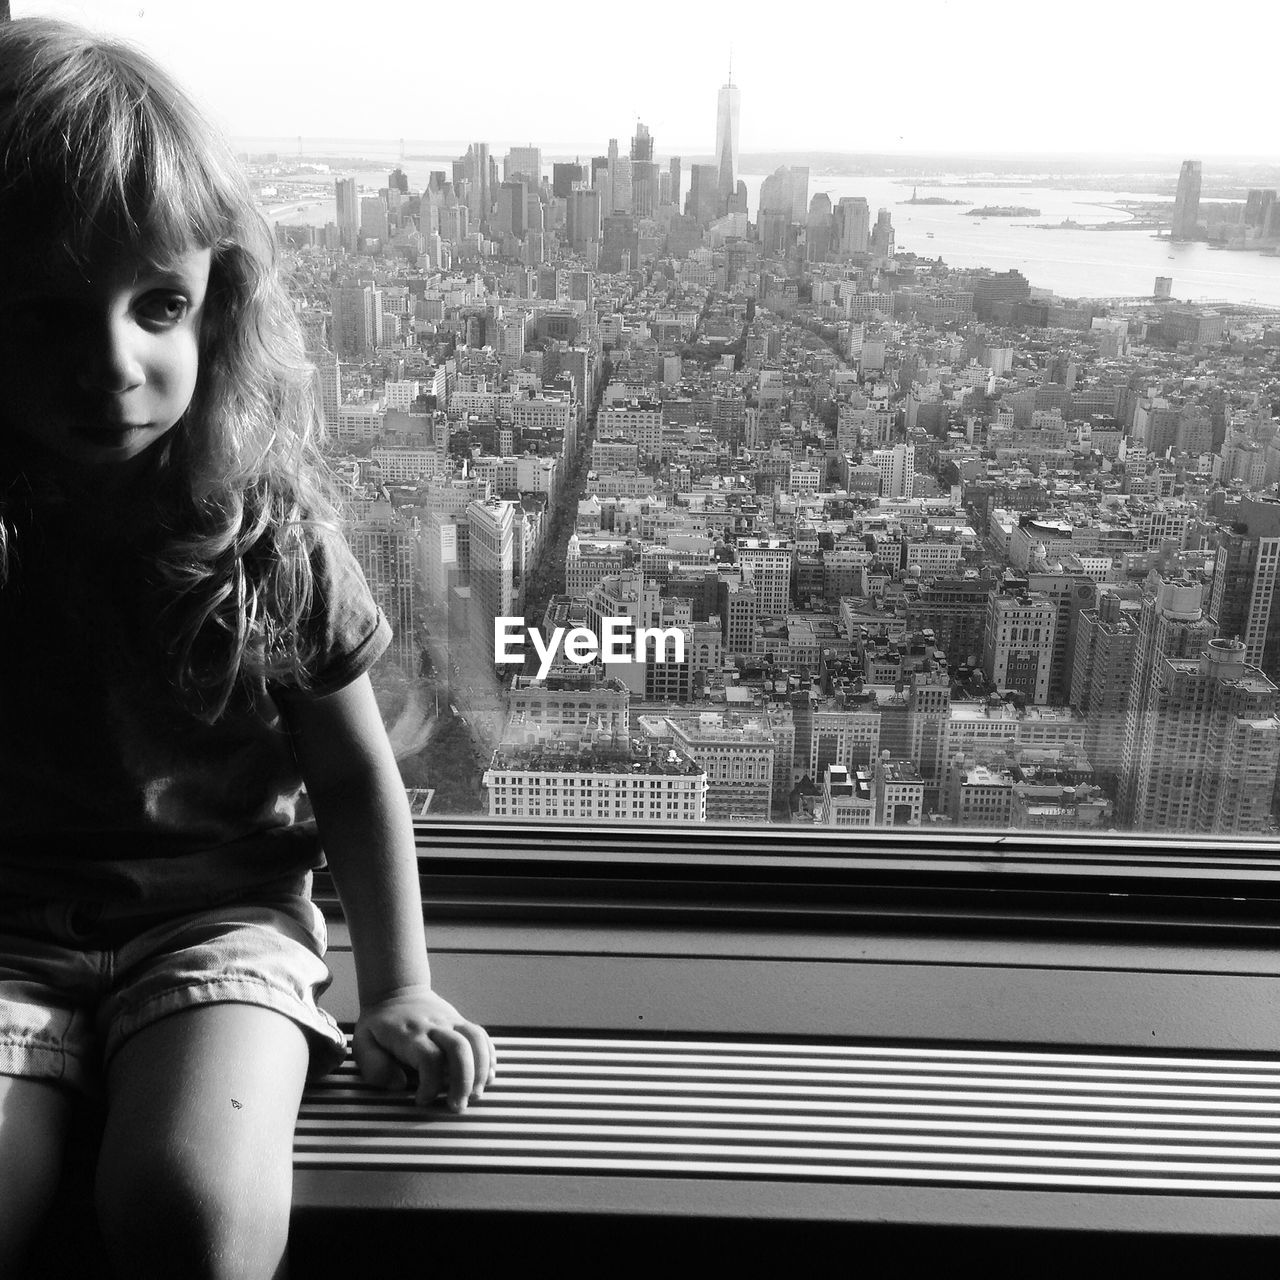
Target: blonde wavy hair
[102,152]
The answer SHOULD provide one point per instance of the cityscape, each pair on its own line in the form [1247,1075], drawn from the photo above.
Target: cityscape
[913,544]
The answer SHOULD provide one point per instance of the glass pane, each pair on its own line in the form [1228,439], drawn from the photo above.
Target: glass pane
[763,479]
[754,492]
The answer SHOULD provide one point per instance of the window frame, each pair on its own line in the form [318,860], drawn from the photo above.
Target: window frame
[1118,887]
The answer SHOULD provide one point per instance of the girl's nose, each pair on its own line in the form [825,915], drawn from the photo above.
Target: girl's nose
[110,357]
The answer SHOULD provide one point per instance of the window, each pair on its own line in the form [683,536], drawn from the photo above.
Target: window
[473,323]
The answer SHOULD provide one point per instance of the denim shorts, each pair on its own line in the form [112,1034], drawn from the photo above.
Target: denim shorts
[77,980]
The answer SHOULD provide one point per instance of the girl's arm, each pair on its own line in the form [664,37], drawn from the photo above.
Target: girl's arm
[367,834]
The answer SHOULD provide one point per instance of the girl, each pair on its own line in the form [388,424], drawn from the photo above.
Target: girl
[184,643]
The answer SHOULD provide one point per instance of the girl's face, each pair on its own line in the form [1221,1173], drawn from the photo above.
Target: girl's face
[98,369]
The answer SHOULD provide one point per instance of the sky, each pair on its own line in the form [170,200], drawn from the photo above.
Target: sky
[1107,77]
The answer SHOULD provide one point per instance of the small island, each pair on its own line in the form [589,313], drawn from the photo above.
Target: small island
[1003,211]
[918,199]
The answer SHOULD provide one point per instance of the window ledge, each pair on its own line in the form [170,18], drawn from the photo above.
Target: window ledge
[574,947]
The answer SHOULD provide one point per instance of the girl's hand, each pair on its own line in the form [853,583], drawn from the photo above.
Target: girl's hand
[415,1033]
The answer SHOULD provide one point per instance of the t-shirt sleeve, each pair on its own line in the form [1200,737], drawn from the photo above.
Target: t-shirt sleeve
[349,632]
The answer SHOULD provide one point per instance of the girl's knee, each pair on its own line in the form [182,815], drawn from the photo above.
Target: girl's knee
[178,1212]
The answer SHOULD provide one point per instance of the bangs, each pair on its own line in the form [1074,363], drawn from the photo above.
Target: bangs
[100,151]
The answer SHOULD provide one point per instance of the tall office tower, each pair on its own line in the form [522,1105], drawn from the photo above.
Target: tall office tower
[1018,649]
[582,218]
[773,230]
[1212,745]
[398,180]
[619,243]
[882,236]
[644,173]
[1242,596]
[1171,624]
[564,177]
[818,228]
[728,105]
[344,193]
[1186,203]
[664,187]
[674,169]
[767,562]
[513,199]
[622,193]
[385,544]
[1069,593]
[642,144]
[455,222]
[491,524]
[534,218]
[644,188]
[477,170]
[775,192]
[1101,674]
[897,470]
[329,384]
[355,321]
[511,340]
[799,192]
[850,226]
[704,199]
[373,218]
[777,201]
[523,162]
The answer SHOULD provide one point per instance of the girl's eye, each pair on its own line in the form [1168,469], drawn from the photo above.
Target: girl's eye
[164,308]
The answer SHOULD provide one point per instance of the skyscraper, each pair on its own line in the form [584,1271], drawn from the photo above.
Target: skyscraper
[524,162]
[642,143]
[354,328]
[727,110]
[818,228]
[644,173]
[850,226]
[563,178]
[512,202]
[1171,624]
[1246,576]
[475,167]
[1186,204]
[491,523]
[385,544]
[582,217]
[882,240]
[675,180]
[1213,745]
[348,202]
[703,199]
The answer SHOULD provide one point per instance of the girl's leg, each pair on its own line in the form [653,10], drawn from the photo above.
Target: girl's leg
[196,1173]
[33,1127]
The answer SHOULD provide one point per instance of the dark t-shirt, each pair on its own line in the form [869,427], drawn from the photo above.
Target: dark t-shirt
[111,788]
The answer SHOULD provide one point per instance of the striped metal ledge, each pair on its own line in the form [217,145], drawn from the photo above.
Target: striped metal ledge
[831,1113]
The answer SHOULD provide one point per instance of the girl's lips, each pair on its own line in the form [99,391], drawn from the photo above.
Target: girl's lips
[109,434]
